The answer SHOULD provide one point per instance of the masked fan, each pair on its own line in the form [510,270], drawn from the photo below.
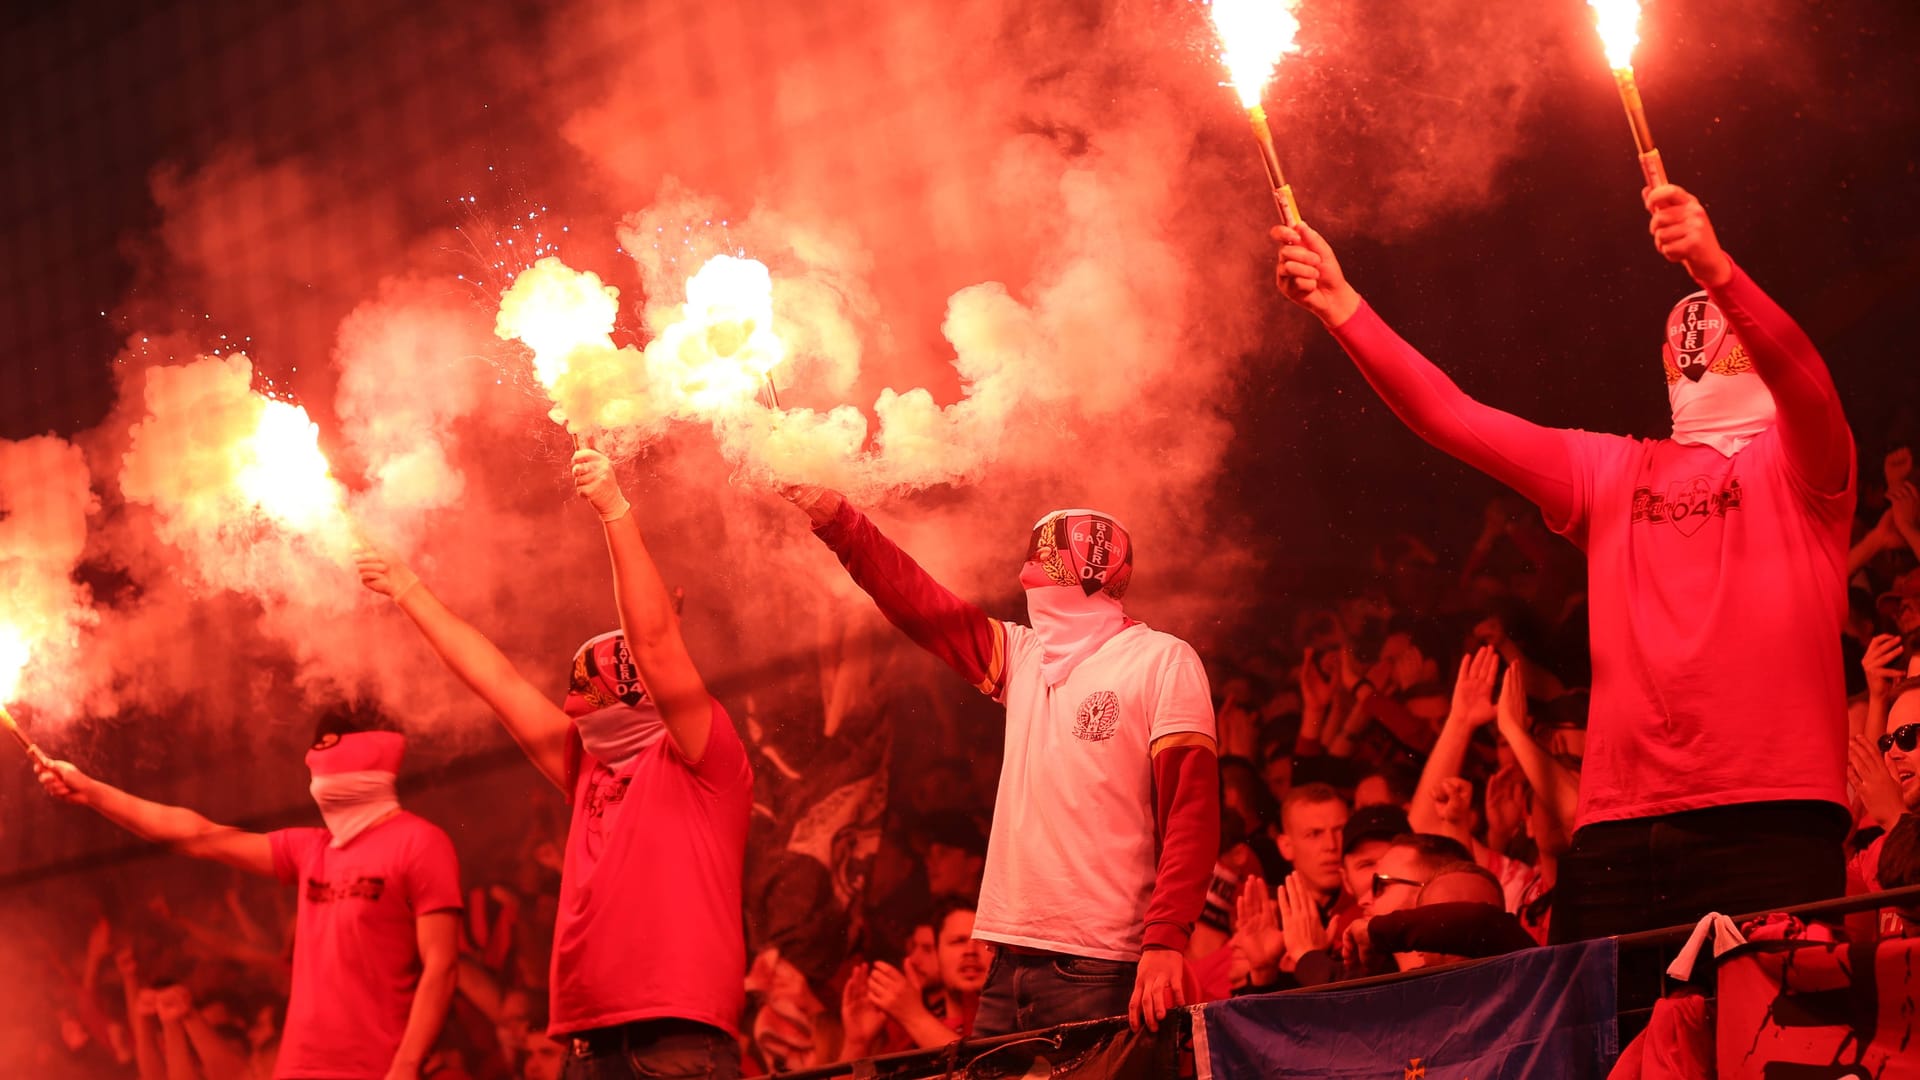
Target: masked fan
[1107,822]
[1716,745]
[376,934]
[648,951]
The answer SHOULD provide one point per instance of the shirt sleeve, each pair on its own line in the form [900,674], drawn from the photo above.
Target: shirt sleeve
[291,849]
[955,630]
[1525,456]
[1812,425]
[724,766]
[1185,703]
[433,874]
[1591,459]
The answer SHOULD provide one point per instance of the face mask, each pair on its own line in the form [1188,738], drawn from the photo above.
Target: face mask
[1718,400]
[353,780]
[608,704]
[1079,564]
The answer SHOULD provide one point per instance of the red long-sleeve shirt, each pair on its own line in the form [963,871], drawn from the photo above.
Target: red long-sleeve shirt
[1717,584]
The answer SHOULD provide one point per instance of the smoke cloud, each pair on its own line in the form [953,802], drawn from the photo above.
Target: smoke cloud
[1015,259]
[45,497]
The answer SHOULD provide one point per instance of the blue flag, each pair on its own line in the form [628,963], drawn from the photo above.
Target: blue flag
[1530,1014]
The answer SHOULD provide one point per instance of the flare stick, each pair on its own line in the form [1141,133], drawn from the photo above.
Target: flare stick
[38,755]
[1650,164]
[1282,191]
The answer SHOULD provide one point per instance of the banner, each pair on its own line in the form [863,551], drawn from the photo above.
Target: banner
[1538,1013]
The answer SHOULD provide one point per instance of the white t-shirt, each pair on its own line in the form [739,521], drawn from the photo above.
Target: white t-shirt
[1072,859]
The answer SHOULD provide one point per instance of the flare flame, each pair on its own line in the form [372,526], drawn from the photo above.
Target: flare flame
[1254,35]
[14,654]
[1618,22]
[283,471]
[711,360]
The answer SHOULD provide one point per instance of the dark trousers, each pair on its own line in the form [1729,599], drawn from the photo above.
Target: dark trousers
[1646,873]
[1036,990]
[648,1049]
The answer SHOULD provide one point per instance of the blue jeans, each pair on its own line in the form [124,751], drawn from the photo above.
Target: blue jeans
[650,1049]
[1036,990]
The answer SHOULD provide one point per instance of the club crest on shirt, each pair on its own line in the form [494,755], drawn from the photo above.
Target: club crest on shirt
[360,888]
[609,792]
[1686,504]
[1098,716]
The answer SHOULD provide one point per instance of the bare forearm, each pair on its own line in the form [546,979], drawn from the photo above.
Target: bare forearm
[219,1059]
[653,638]
[926,1030]
[146,1049]
[1550,780]
[646,608]
[179,1055]
[431,999]
[1449,753]
[175,826]
[147,1057]
[478,987]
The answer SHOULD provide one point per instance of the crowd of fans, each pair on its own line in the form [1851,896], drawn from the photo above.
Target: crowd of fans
[1400,770]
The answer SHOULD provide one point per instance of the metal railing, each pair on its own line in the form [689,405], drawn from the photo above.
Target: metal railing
[959,1057]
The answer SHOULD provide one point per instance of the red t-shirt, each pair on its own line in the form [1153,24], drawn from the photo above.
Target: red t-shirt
[1718,588]
[649,922]
[356,954]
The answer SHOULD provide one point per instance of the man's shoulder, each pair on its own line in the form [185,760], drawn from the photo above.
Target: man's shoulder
[410,832]
[1144,642]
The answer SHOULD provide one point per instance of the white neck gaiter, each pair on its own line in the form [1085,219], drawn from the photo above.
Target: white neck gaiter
[351,802]
[615,735]
[1072,626]
[1717,398]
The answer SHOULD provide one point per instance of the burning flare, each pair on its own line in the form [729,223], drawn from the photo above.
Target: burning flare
[1619,24]
[46,494]
[711,355]
[1254,35]
[237,480]
[283,471]
[14,655]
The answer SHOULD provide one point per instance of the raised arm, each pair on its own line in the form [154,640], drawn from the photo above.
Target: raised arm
[1441,796]
[646,612]
[1551,781]
[537,724]
[954,630]
[1813,427]
[1531,459]
[175,826]
[148,1062]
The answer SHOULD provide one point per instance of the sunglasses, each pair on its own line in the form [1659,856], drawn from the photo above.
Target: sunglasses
[1906,737]
[1381,882]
